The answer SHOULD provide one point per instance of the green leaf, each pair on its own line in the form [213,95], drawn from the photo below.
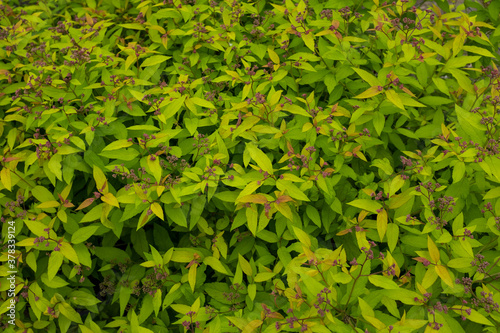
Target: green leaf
[202,102]
[157,258]
[459,263]
[110,199]
[173,107]
[435,100]
[125,293]
[67,250]
[176,215]
[460,62]
[492,194]
[265,276]
[313,214]
[216,265]
[302,236]
[366,309]
[292,190]
[252,216]
[382,282]
[260,158]
[94,214]
[70,313]
[6,178]
[117,145]
[111,254]
[433,250]
[403,295]
[370,92]
[476,317]
[458,171]
[470,124]
[154,167]
[216,291]
[366,204]
[370,78]
[133,26]
[83,298]
[308,40]
[157,210]
[54,165]
[130,60]
[295,109]
[100,179]
[394,98]
[441,85]
[55,283]
[392,235]
[462,79]
[157,301]
[55,262]
[259,50]
[154,60]
[245,265]
[143,128]
[478,50]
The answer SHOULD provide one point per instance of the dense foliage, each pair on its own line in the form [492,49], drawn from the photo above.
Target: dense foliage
[263,166]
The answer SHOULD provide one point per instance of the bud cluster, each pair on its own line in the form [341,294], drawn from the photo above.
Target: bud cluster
[191,325]
[202,145]
[480,263]
[486,302]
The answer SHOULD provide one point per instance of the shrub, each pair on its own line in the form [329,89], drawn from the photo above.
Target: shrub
[205,166]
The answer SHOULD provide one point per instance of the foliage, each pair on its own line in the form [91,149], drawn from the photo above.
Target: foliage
[264,166]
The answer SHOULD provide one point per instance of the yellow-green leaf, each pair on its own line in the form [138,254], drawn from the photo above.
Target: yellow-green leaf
[192,276]
[154,60]
[474,316]
[216,265]
[273,55]
[6,179]
[109,198]
[252,219]
[245,265]
[69,252]
[444,274]
[370,92]
[55,262]
[157,210]
[382,224]
[372,80]
[130,60]
[202,102]
[302,237]
[260,158]
[292,190]
[308,40]
[394,98]
[265,276]
[366,204]
[253,198]
[26,242]
[100,180]
[295,109]
[433,250]
[70,313]
[117,145]
[478,50]
[285,210]
[154,167]
[49,204]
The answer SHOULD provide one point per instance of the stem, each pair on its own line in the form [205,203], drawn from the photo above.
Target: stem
[354,284]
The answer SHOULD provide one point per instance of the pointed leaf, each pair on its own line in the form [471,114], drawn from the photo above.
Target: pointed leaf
[433,250]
